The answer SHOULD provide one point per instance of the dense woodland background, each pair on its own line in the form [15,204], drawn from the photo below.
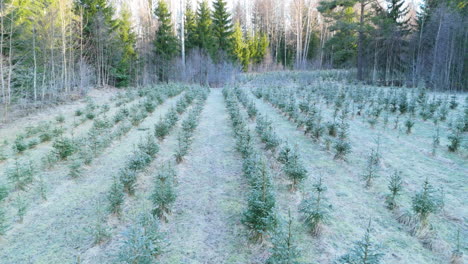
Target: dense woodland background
[51,49]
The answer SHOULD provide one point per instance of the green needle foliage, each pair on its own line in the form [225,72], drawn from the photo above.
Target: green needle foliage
[163,195]
[364,251]
[372,168]
[259,216]
[426,202]
[115,197]
[166,42]
[64,147]
[21,174]
[3,224]
[143,241]
[128,179]
[314,210]
[395,186]
[294,169]
[284,250]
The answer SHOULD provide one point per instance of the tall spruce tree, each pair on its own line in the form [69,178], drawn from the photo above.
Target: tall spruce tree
[222,26]
[98,23]
[165,43]
[204,32]
[239,50]
[124,71]
[190,28]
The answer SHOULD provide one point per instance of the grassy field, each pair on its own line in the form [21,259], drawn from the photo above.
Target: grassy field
[57,208]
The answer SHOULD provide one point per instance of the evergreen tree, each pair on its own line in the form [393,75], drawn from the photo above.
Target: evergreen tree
[190,28]
[115,197]
[143,242]
[284,251]
[314,210]
[426,202]
[124,72]
[342,45]
[364,251]
[222,26]
[98,24]
[166,42]
[239,49]
[294,169]
[259,217]
[3,225]
[204,32]
[163,195]
[395,185]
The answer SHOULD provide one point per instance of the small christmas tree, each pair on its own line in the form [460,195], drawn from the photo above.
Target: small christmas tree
[372,168]
[426,202]
[259,217]
[163,195]
[314,209]
[395,185]
[143,242]
[128,179]
[294,169]
[284,251]
[115,197]
[364,251]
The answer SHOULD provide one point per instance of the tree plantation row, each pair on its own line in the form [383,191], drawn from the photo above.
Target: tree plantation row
[52,50]
[284,167]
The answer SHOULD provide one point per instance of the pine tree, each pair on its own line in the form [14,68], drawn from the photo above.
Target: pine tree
[222,26]
[166,42]
[284,250]
[204,33]
[364,251]
[314,210]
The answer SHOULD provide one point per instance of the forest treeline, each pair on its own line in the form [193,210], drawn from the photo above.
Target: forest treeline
[51,48]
